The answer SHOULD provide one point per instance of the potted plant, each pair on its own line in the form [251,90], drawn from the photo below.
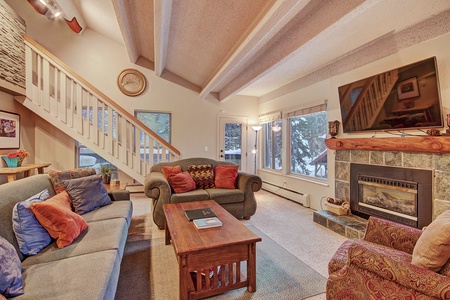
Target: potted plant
[106,171]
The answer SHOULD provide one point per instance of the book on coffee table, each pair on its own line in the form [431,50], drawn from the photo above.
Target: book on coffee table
[201,213]
[207,223]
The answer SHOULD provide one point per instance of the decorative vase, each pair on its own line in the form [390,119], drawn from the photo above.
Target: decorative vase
[11,162]
[20,161]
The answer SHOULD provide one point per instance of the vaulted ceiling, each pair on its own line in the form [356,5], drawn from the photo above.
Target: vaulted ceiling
[259,48]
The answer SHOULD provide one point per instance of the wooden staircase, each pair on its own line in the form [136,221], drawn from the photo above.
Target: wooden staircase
[364,111]
[70,103]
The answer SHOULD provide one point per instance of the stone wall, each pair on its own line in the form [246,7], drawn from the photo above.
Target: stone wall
[12,47]
[438,163]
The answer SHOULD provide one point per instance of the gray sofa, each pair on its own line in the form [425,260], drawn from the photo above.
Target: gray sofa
[240,202]
[86,269]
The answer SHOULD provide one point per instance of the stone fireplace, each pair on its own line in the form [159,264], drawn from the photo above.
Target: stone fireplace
[402,195]
[436,163]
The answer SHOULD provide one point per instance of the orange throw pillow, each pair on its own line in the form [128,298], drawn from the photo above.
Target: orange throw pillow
[57,217]
[182,182]
[225,177]
[168,170]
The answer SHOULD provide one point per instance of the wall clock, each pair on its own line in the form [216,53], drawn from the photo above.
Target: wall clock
[131,82]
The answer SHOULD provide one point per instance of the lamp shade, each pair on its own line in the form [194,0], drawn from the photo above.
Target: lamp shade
[256,127]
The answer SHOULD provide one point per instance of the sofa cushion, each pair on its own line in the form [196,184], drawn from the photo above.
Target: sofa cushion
[182,182]
[226,196]
[195,195]
[432,249]
[87,193]
[10,270]
[30,234]
[90,276]
[100,236]
[203,175]
[169,170]
[225,176]
[57,177]
[117,209]
[57,217]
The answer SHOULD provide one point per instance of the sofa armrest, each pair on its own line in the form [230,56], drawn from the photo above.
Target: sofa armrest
[248,182]
[394,265]
[156,186]
[118,195]
[391,234]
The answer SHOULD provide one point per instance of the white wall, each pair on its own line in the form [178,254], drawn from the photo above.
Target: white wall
[328,89]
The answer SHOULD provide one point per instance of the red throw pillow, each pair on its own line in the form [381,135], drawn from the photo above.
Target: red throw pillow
[57,217]
[182,182]
[168,170]
[225,177]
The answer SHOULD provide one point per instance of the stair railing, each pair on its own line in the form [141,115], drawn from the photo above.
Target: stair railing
[69,102]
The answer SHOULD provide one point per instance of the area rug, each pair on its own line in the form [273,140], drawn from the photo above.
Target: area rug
[279,274]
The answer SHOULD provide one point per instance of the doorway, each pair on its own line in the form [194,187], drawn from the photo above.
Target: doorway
[233,141]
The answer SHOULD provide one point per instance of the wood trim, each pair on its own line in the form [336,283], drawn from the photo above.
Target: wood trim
[427,144]
[98,92]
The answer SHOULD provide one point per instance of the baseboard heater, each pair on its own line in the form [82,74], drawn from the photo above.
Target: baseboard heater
[298,197]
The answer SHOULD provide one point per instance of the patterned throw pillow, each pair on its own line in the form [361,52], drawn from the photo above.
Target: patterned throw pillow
[57,217]
[57,177]
[203,175]
[10,270]
[225,176]
[30,234]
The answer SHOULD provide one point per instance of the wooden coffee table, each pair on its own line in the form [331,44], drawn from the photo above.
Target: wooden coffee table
[218,250]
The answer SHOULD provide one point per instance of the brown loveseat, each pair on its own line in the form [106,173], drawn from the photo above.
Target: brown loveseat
[387,263]
[240,202]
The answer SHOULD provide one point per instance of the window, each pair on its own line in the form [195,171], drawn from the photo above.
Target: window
[273,144]
[307,133]
[161,124]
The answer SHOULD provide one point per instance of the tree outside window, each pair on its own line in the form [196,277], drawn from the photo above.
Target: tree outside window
[307,144]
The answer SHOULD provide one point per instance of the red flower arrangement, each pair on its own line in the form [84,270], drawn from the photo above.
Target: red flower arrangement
[19,154]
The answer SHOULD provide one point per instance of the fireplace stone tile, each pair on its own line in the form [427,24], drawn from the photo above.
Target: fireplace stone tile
[349,226]
[377,157]
[393,159]
[343,171]
[359,156]
[342,190]
[418,160]
[442,185]
[342,155]
[442,162]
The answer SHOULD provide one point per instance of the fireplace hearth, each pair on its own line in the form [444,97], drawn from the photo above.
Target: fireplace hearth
[402,195]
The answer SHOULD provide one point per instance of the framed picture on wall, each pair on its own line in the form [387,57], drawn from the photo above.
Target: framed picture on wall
[408,89]
[9,130]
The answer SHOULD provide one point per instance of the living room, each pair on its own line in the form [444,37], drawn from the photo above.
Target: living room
[195,120]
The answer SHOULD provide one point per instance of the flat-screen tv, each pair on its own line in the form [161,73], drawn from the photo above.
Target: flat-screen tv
[404,98]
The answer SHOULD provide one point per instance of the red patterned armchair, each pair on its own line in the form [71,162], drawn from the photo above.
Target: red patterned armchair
[379,266]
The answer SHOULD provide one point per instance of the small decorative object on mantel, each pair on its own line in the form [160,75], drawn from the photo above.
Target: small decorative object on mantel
[433,132]
[333,128]
[337,206]
[15,159]
[447,131]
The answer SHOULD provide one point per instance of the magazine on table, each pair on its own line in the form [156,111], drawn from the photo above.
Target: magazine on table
[207,223]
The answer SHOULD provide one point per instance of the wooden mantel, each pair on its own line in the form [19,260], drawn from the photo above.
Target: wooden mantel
[428,144]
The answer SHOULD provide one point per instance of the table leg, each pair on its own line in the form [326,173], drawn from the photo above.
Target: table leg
[11,177]
[184,284]
[26,173]
[167,235]
[40,170]
[251,268]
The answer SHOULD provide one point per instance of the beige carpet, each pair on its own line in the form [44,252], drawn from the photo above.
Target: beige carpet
[287,223]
